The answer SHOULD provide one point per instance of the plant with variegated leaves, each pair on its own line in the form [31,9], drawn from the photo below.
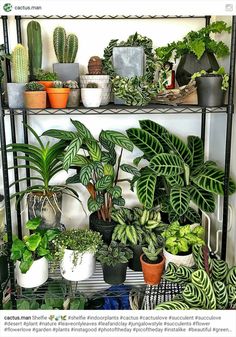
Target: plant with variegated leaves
[96,161]
[177,173]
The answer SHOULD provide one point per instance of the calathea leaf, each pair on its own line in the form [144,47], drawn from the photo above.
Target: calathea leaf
[118,201]
[145,142]
[108,170]
[137,160]
[130,169]
[180,149]
[73,180]
[115,191]
[192,216]
[203,199]
[71,151]
[93,205]
[60,134]
[98,167]
[82,130]
[145,186]
[93,149]
[175,181]
[85,174]
[166,164]
[103,183]
[79,160]
[109,157]
[117,138]
[211,179]
[179,199]
[195,146]
[107,144]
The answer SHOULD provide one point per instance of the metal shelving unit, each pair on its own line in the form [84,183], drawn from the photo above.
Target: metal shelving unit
[111,110]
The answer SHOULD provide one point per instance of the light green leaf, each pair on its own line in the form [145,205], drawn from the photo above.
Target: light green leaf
[86,174]
[33,241]
[84,132]
[60,134]
[203,199]
[33,223]
[195,146]
[79,160]
[103,183]
[94,149]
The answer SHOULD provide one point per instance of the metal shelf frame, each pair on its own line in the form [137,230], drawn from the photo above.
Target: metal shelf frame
[109,110]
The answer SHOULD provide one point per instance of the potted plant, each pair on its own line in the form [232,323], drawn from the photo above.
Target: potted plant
[114,260]
[34,96]
[177,174]
[75,250]
[15,91]
[46,78]
[31,254]
[34,42]
[96,75]
[58,96]
[74,95]
[197,51]
[179,241]
[97,166]
[91,95]
[153,263]
[211,87]
[65,47]
[44,200]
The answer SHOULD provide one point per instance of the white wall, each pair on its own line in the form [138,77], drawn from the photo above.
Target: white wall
[94,36]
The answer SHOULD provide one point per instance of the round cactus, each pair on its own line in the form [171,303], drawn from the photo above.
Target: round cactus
[20,64]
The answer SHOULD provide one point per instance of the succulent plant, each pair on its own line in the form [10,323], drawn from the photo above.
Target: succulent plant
[65,47]
[20,64]
[34,86]
[92,85]
[57,84]
[152,252]
[95,65]
[42,75]
[34,40]
[71,84]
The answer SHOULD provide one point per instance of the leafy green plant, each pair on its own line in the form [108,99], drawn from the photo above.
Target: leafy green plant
[196,42]
[96,160]
[42,75]
[220,71]
[114,253]
[65,47]
[78,240]
[152,252]
[34,86]
[176,175]
[180,239]
[33,246]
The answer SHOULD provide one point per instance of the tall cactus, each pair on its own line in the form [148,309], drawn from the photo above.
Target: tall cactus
[71,48]
[34,40]
[20,64]
[65,47]
[59,43]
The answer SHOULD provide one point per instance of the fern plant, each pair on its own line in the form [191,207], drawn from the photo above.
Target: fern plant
[96,161]
[177,173]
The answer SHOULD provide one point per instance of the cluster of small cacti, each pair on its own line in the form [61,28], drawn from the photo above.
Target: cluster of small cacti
[92,85]
[213,288]
[71,84]
[57,84]
[95,65]
[65,47]
[34,41]
[20,64]
[34,86]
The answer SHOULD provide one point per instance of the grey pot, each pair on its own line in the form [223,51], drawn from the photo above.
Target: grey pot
[67,71]
[48,208]
[209,91]
[128,62]
[15,93]
[74,98]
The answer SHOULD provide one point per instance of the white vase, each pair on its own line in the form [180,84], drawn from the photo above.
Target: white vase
[103,81]
[91,97]
[35,276]
[82,270]
[179,260]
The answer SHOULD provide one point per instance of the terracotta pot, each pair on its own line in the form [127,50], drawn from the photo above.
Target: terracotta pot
[35,99]
[47,84]
[152,272]
[58,97]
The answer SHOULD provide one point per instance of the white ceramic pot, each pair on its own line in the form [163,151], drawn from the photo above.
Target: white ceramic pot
[84,268]
[35,276]
[91,97]
[179,260]
[103,81]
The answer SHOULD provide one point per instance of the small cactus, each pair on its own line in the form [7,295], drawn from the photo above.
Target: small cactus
[20,64]
[34,86]
[57,84]
[92,85]
[65,47]
[71,84]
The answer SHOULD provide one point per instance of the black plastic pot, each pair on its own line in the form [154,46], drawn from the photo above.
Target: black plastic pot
[209,91]
[3,269]
[189,64]
[104,227]
[116,274]
[135,263]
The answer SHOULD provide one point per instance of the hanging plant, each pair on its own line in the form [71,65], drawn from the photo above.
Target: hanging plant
[137,90]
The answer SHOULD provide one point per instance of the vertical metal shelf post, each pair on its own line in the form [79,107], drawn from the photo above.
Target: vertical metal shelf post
[230,111]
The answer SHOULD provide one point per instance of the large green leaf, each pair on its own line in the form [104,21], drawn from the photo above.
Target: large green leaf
[195,146]
[157,131]
[130,169]
[117,138]
[33,241]
[60,134]
[203,199]
[94,149]
[179,199]
[93,205]
[82,130]
[107,144]
[99,169]
[181,149]
[211,179]
[75,179]
[71,152]
[145,186]
[118,201]
[145,142]
[103,183]
[32,224]
[115,191]
[192,216]
[85,174]
[175,180]
[79,160]
[166,164]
